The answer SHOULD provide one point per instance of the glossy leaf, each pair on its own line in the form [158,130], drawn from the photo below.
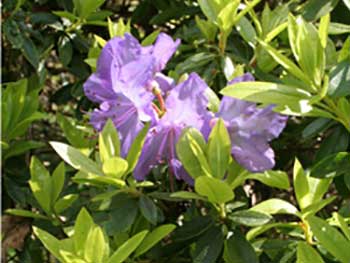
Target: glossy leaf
[219,149]
[216,190]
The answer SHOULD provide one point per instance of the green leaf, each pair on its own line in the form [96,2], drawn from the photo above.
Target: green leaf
[20,147]
[127,248]
[216,190]
[275,206]
[338,29]
[109,142]
[98,180]
[151,38]
[323,29]
[301,185]
[75,136]
[115,167]
[271,178]
[289,100]
[314,9]
[96,247]
[25,213]
[82,227]
[65,14]
[247,31]
[214,101]
[209,246]
[191,149]
[330,238]
[118,29]
[210,8]
[219,149]
[207,28]
[148,209]
[306,254]
[40,184]
[315,127]
[225,17]
[50,242]
[187,195]
[153,238]
[344,52]
[65,50]
[239,250]
[347,3]
[340,222]
[313,208]
[57,181]
[311,55]
[286,63]
[85,7]
[333,165]
[250,218]
[75,158]
[339,80]
[136,147]
[193,228]
[65,202]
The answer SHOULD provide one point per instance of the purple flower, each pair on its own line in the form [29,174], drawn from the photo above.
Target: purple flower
[186,106]
[123,82]
[251,129]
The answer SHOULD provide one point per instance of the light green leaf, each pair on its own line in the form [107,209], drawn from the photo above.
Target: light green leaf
[96,247]
[216,190]
[275,206]
[85,7]
[287,64]
[83,224]
[225,18]
[271,178]
[136,147]
[301,185]
[210,8]
[340,222]
[50,242]
[323,29]
[127,248]
[190,149]
[330,238]
[57,181]
[306,254]
[219,149]
[109,142]
[115,167]
[313,208]
[97,180]
[153,238]
[149,40]
[75,158]
[40,184]
[287,98]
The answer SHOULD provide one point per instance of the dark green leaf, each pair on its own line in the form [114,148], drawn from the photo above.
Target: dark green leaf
[239,250]
[250,218]
[148,209]
[331,166]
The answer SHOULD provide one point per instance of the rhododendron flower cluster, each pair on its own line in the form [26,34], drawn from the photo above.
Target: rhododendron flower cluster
[130,89]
